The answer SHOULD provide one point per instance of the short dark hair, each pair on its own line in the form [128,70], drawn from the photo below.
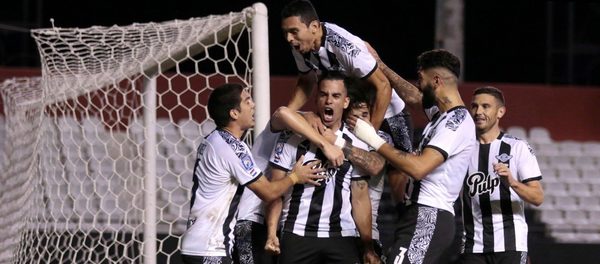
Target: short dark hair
[493,91]
[360,91]
[439,58]
[301,8]
[333,76]
[222,100]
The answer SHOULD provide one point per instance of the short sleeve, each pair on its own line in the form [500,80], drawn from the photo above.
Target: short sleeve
[451,134]
[527,168]
[357,59]
[283,154]
[243,167]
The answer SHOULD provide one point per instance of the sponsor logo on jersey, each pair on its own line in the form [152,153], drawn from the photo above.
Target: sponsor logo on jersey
[479,183]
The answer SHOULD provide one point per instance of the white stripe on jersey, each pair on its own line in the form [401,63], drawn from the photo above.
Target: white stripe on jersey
[317,211]
[376,189]
[494,215]
[452,133]
[223,165]
[339,51]
[251,206]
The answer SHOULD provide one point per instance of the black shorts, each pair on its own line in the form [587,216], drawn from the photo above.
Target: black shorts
[423,235]
[249,246]
[313,250]
[187,259]
[400,128]
[509,257]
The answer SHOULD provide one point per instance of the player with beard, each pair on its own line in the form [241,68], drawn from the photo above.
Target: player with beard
[503,175]
[437,171]
[322,224]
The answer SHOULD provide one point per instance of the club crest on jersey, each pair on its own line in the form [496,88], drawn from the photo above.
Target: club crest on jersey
[504,158]
[479,183]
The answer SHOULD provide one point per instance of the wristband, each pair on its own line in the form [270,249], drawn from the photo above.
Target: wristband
[293,177]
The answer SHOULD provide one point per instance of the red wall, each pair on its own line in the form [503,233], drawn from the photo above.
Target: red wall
[569,112]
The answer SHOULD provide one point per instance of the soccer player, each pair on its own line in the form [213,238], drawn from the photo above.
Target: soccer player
[224,167]
[369,161]
[324,46]
[438,170]
[321,224]
[503,174]
[321,46]
[250,231]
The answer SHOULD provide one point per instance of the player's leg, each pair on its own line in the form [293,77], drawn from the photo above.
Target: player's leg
[250,238]
[423,235]
[443,229]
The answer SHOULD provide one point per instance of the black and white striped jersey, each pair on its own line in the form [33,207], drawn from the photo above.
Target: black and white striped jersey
[251,206]
[452,133]
[317,211]
[224,165]
[493,213]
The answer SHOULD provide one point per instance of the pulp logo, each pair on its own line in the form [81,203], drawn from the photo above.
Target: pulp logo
[480,183]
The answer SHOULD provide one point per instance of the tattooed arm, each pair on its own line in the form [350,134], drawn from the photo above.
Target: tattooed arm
[416,166]
[408,92]
[369,161]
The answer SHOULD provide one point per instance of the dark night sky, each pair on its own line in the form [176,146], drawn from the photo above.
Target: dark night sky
[503,42]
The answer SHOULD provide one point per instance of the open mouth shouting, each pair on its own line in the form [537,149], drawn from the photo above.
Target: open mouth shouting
[328,114]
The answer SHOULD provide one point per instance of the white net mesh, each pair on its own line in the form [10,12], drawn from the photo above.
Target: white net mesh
[73,179]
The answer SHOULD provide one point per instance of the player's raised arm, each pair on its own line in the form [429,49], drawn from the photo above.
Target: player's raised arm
[406,90]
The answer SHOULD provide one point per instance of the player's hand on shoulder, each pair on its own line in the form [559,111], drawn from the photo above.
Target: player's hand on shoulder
[314,120]
[307,173]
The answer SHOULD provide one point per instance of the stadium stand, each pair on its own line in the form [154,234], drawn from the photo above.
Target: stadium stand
[571,181]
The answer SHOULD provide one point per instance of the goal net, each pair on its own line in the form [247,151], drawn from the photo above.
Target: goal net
[99,151]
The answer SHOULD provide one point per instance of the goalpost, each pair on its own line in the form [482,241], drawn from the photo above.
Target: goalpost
[99,151]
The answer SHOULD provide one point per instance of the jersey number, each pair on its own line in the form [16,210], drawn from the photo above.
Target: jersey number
[400,257]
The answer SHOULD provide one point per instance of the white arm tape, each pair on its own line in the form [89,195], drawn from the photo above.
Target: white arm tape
[367,133]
